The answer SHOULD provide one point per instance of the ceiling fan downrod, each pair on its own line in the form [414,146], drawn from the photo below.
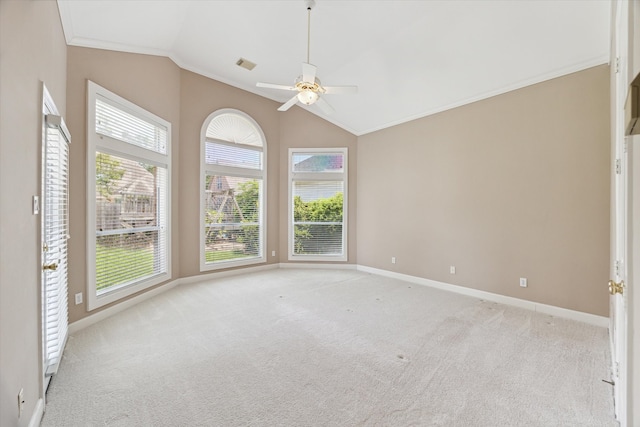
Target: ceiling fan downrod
[310,5]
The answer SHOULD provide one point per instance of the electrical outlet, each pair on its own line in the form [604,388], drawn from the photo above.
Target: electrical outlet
[20,402]
[273,253]
[36,205]
[79,298]
[523,282]
[393,260]
[452,269]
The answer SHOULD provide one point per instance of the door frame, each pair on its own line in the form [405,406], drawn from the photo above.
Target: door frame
[49,110]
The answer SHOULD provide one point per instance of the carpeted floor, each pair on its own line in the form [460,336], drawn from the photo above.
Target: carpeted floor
[295,347]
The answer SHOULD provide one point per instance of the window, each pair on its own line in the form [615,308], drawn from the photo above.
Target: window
[128,198]
[232,212]
[318,204]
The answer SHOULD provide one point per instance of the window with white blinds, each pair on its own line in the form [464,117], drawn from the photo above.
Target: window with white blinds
[55,234]
[232,187]
[128,194]
[317,204]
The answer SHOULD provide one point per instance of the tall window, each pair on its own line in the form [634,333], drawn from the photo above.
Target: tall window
[232,213]
[128,197]
[318,204]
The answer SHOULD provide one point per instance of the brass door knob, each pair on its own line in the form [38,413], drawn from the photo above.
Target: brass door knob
[52,267]
[616,288]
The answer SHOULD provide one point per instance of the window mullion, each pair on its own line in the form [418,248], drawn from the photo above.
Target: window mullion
[116,147]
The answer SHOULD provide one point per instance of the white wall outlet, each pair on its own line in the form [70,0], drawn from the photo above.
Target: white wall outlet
[79,298]
[523,282]
[36,205]
[393,260]
[20,402]
[273,253]
[452,269]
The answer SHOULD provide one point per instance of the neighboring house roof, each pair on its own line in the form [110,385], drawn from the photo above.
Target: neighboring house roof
[226,183]
[321,163]
[135,180]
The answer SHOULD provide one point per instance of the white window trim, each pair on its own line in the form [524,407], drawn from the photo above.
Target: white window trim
[322,176]
[137,153]
[233,171]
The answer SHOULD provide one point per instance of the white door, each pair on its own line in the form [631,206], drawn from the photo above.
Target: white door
[54,235]
[617,284]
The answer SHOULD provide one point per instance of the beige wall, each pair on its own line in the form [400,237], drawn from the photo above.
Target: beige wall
[149,81]
[32,51]
[513,186]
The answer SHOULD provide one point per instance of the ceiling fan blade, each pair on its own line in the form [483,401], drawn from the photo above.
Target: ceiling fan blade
[288,104]
[340,89]
[324,106]
[308,73]
[275,86]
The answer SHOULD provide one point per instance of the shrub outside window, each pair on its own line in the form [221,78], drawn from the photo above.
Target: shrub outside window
[318,204]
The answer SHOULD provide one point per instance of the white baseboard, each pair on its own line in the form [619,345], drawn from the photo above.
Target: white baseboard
[108,312]
[564,313]
[114,309]
[307,265]
[226,273]
[38,412]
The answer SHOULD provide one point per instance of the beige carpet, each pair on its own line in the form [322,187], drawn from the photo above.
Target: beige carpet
[330,348]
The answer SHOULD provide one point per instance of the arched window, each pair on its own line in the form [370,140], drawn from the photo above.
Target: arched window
[232,179]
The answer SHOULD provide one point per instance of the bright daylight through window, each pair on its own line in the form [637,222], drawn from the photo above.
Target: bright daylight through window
[128,197]
[317,204]
[232,187]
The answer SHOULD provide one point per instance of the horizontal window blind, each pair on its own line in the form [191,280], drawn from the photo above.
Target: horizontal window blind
[317,204]
[115,122]
[55,250]
[131,233]
[129,163]
[232,215]
[217,153]
[232,191]
[318,217]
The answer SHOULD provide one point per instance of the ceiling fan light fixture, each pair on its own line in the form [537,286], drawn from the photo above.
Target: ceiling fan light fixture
[308,85]
[307,96]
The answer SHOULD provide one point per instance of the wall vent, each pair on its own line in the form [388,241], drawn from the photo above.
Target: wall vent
[246,64]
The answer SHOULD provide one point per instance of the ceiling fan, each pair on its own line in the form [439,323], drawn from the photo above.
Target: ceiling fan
[308,85]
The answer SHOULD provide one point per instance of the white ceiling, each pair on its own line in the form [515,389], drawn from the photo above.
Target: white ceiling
[408,58]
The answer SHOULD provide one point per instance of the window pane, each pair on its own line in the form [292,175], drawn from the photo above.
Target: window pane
[228,155]
[329,162]
[130,221]
[318,213]
[119,124]
[232,214]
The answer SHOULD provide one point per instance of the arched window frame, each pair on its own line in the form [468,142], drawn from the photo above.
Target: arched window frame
[232,171]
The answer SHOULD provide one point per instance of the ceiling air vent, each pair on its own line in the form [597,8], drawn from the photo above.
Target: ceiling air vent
[246,64]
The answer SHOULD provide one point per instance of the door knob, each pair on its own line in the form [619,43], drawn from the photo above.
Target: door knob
[616,288]
[52,267]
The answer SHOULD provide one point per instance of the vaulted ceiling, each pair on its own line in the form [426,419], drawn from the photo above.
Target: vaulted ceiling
[408,58]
